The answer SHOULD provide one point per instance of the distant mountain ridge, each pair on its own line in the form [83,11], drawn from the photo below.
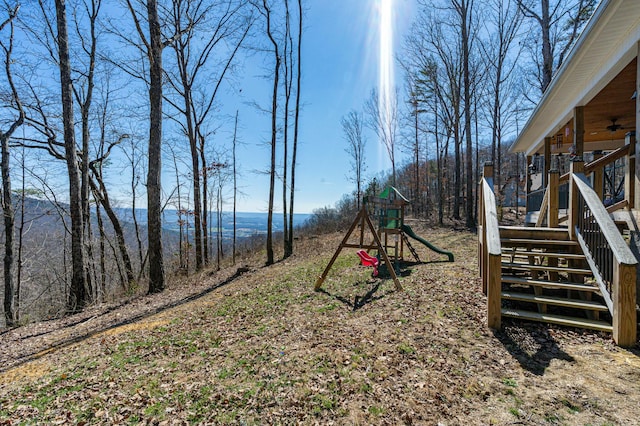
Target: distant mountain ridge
[248,224]
[46,215]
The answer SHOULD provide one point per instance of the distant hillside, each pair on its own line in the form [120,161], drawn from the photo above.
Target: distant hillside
[248,224]
[46,251]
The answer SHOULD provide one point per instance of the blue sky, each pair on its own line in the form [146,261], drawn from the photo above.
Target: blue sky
[340,67]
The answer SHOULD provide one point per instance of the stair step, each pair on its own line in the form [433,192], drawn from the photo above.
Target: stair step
[557,301]
[528,232]
[526,266]
[549,284]
[558,319]
[509,251]
[526,242]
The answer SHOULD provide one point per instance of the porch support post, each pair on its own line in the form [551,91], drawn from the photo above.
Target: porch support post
[636,180]
[576,167]
[528,183]
[552,188]
[598,177]
[636,203]
[629,171]
[552,219]
[578,130]
[547,160]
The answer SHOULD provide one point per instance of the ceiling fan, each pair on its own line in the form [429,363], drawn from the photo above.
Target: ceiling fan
[613,127]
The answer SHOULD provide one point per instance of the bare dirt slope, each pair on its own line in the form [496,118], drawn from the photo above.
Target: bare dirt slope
[259,346]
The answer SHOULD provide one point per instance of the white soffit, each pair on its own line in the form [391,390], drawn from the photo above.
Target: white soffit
[608,43]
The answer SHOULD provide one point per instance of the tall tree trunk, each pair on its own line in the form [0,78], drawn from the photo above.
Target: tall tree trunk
[85,109]
[181,264]
[547,54]
[10,314]
[296,122]
[416,159]
[465,12]
[154,190]
[20,239]
[440,189]
[78,296]
[219,236]
[9,216]
[100,191]
[197,201]
[288,83]
[101,285]
[235,186]
[457,183]
[274,134]
[205,201]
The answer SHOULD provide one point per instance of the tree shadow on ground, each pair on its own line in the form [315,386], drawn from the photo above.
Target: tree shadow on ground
[532,346]
[118,321]
[401,270]
[360,301]
[384,277]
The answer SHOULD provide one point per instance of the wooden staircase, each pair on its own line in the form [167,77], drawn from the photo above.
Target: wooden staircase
[546,278]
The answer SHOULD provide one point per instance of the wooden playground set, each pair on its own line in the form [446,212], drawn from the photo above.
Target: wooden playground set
[389,239]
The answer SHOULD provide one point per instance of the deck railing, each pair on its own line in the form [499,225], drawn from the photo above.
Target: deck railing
[610,258]
[535,200]
[604,185]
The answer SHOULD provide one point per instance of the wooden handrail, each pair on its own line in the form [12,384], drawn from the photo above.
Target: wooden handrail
[619,265]
[619,247]
[543,209]
[601,162]
[609,158]
[617,206]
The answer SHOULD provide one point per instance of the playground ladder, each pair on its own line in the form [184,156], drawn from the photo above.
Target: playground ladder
[410,247]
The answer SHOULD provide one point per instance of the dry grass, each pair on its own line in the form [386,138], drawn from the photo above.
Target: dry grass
[266,349]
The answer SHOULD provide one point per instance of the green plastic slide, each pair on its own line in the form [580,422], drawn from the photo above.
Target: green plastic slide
[407,230]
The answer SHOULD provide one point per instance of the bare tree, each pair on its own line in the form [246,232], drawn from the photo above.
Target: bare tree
[79,293]
[79,79]
[209,36]
[504,22]
[265,9]
[352,126]
[99,189]
[7,202]
[219,171]
[435,54]
[413,141]
[294,154]
[235,184]
[153,46]
[287,79]
[383,120]
[463,21]
[559,23]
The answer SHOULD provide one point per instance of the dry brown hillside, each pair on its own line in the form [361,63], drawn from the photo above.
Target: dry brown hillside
[259,346]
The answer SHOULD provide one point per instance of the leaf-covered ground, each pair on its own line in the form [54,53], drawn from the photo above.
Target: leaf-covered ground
[264,348]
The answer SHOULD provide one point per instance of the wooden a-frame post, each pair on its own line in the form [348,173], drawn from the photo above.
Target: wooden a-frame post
[363,218]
